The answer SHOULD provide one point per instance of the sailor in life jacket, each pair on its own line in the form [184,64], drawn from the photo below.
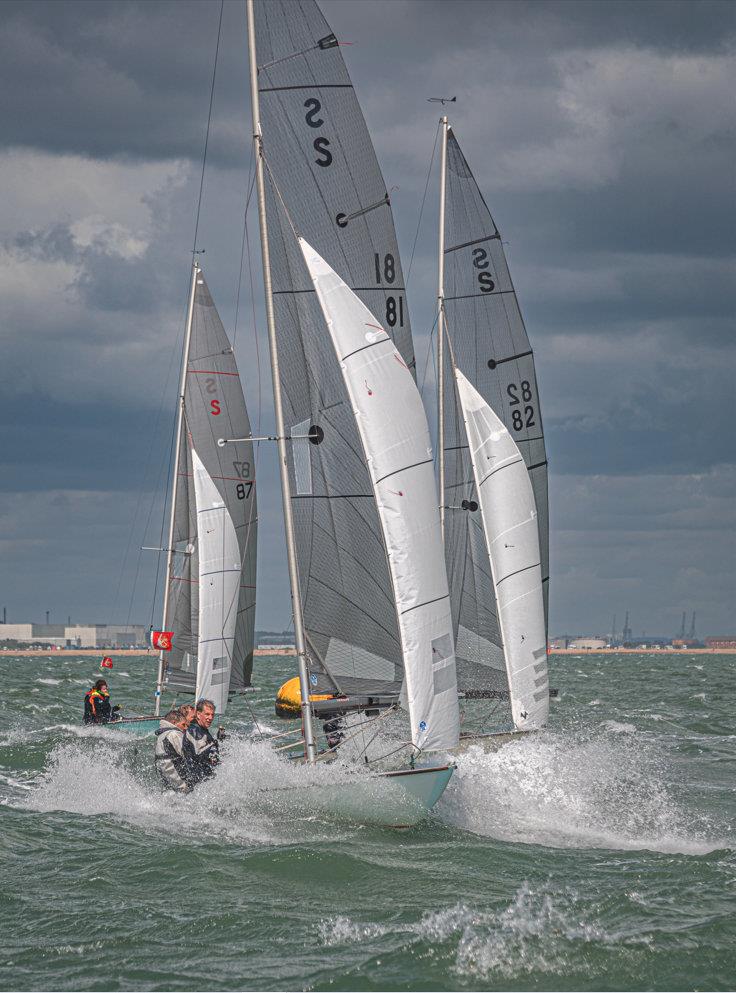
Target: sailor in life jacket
[97,709]
[175,758]
[206,748]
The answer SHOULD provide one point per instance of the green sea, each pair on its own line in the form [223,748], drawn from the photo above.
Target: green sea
[597,855]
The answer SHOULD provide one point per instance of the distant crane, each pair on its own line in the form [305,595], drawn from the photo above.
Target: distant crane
[692,628]
[613,632]
[626,635]
[682,628]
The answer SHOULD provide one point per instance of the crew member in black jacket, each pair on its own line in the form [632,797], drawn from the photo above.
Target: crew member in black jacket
[97,709]
[205,747]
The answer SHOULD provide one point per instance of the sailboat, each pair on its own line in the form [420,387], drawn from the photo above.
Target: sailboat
[492,467]
[206,642]
[369,592]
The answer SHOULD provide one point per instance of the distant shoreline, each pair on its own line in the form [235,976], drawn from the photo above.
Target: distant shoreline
[122,652]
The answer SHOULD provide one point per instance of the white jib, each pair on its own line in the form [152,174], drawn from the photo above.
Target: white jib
[509,515]
[395,437]
[219,586]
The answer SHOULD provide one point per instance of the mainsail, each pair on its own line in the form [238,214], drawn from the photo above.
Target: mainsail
[213,578]
[387,407]
[509,514]
[323,179]
[490,346]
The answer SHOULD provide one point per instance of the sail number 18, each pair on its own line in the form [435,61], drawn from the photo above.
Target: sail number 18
[386,272]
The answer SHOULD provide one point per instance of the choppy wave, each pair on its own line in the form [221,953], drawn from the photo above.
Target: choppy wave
[535,932]
[607,788]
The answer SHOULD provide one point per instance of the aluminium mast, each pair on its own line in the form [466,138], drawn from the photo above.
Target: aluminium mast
[296,603]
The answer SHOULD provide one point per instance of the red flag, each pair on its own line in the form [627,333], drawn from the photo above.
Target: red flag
[162,640]
[106,663]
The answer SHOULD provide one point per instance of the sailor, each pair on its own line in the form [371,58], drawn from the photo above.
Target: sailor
[175,760]
[205,747]
[97,709]
[334,729]
[188,710]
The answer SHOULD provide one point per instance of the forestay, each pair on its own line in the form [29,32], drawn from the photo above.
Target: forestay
[214,407]
[509,514]
[491,348]
[323,177]
[385,403]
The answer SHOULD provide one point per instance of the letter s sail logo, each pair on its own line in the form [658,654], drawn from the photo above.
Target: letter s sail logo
[215,405]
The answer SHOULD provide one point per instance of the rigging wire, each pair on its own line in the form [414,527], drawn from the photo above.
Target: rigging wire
[194,250]
[209,121]
[421,209]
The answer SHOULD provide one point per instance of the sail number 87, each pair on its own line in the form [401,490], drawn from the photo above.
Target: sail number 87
[519,419]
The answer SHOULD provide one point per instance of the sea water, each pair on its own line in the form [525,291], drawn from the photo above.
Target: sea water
[597,855]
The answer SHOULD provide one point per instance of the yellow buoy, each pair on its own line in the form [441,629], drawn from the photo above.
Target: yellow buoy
[289,699]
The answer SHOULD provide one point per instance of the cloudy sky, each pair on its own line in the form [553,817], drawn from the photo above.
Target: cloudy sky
[603,137]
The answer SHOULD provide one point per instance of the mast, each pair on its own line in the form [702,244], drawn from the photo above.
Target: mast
[175,486]
[441,329]
[296,603]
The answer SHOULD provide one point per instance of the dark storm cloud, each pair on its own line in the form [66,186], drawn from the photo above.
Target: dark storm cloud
[602,135]
[132,79]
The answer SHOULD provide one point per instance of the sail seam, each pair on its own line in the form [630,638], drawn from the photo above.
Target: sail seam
[329,496]
[373,344]
[498,468]
[402,469]
[210,372]
[308,86]
[518,572]
[465,296]
[426,603]
[476,241]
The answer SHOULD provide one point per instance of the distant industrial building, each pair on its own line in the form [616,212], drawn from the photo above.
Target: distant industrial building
[76,635]
[721,641]
[588,644]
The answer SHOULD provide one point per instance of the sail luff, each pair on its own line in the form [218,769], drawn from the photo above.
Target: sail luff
[394,435]
[309,739]
[175,484]
[509,513]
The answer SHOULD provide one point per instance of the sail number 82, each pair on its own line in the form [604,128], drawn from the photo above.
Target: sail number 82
[520,420]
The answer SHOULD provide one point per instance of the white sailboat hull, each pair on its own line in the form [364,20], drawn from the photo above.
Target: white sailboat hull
[396,799]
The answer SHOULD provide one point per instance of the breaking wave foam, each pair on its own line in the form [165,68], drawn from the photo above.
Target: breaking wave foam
[532,933]
[256,797]
[606,789]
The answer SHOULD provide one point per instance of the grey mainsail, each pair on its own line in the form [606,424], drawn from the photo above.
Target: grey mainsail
[492,350]
[214,408]
[324,179]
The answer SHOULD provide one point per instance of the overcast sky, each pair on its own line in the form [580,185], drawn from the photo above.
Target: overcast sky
[602,135]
